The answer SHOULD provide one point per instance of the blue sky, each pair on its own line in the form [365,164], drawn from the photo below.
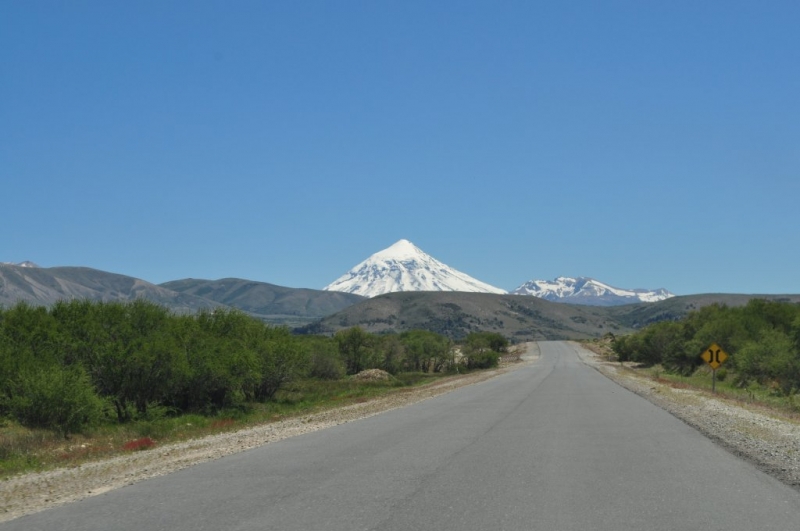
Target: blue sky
[643,143]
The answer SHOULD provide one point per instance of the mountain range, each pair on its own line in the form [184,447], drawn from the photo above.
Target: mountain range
[402,267]
[275,304]
[45,286]
[399,288]
[318,311]
[584,290]
[405,267]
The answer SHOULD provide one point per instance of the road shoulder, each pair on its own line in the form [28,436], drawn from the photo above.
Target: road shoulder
[766,438]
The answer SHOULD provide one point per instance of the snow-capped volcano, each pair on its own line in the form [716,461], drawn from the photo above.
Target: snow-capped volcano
[583,290]
[405,267]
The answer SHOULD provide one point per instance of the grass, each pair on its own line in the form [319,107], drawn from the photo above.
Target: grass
[728,388]
[25,450]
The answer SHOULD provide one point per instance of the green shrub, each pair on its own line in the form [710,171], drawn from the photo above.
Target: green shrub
[62,400]
[483,360]
[325,362]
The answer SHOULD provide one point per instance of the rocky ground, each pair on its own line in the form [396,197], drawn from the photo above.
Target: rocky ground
[763,437]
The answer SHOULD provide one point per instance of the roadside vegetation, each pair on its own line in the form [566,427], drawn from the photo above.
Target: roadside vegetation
[762,340]
[82,379]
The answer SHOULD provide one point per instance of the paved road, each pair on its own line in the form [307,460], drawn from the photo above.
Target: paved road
[555,446]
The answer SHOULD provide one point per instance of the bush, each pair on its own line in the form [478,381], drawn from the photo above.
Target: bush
[483,360]
[627,347]
[59,399]
[770,359]
[325,361]
[482,349]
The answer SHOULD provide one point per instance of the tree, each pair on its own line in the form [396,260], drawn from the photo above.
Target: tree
[127,348]
[32,333]
[281,357]
[324,359]
[664,343]
[355,348]
[390,353]
[223,370]
[425,350]
[771,358]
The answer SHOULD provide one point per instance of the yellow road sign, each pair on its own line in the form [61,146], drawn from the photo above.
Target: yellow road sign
[714,356]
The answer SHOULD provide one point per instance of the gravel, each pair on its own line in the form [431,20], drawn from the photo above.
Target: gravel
[770,441]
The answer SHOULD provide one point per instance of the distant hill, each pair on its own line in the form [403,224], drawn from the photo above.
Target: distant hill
[518,317]
[44,286]
[675,308]
[456,314]
[272,304]
[293,306]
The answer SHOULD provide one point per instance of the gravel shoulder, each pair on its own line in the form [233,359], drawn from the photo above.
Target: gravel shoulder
[766,438]
[34,492]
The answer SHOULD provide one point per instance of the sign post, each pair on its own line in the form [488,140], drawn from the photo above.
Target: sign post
[714,356]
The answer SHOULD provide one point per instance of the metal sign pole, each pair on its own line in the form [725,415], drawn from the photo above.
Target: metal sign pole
[714,381]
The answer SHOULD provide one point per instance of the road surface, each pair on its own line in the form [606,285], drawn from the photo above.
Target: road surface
[552,446]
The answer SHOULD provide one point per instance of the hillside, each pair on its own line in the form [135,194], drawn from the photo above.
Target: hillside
[519,318]
[456,314]
[294,306]
[45,286]
[640,315]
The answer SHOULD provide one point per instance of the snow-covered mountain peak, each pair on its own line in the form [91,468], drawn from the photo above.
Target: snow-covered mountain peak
[405,267]
[584,290]
[400,250]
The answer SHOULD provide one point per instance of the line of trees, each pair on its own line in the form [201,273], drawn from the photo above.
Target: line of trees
[762,339]
[80,362]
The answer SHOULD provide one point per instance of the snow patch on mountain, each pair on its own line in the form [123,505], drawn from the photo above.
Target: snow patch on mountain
[26,263]
[584,290]
[405,267]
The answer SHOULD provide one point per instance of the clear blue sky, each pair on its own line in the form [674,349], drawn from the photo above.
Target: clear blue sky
[643,143]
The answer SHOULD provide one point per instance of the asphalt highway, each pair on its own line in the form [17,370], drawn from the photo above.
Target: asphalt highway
[552,446]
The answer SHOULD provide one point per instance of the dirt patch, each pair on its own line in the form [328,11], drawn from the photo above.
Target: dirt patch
[372,375]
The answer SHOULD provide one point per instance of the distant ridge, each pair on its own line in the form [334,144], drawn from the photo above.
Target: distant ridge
[44,286]
[268,301]
[405,267]
[518,318]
